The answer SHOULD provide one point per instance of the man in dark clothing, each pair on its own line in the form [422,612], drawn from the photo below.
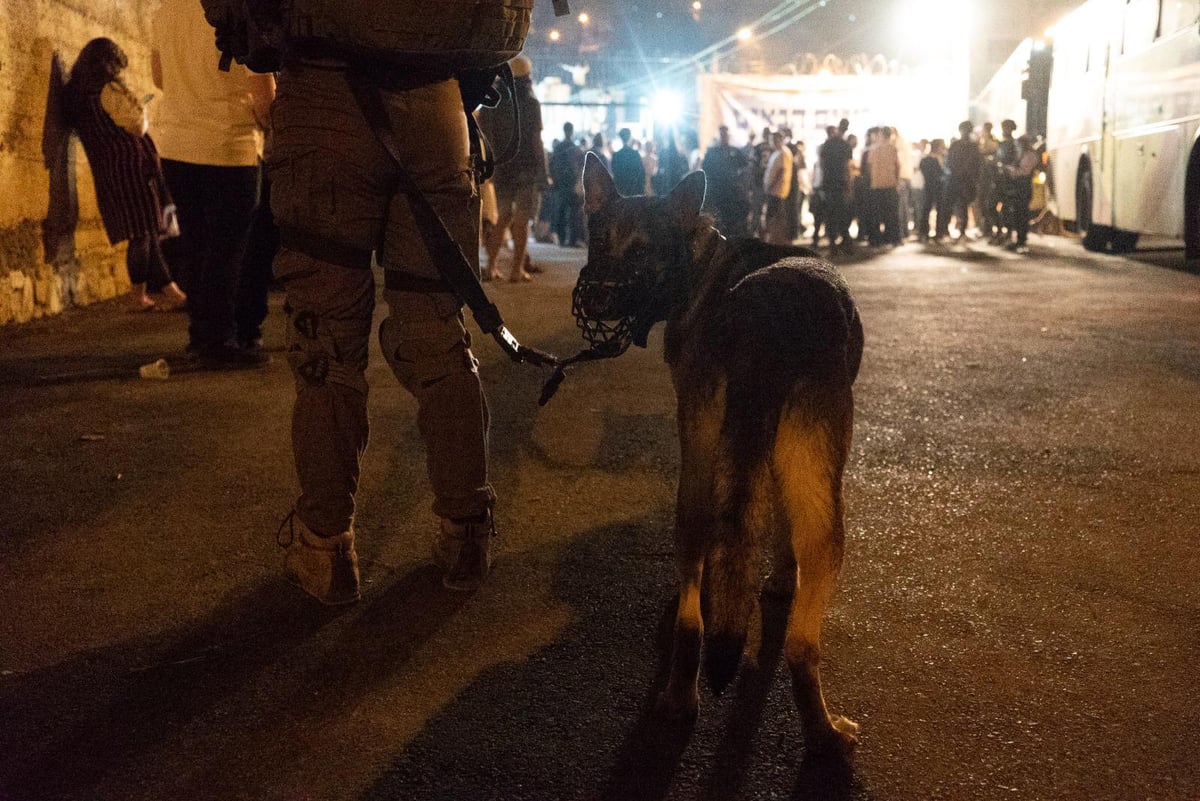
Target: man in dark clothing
[725,167]
[1020,193]
[566,172]
[519,180]
[1006,157]
[758,156]
[629,174]
[963,163]
[933,197]
[835,155]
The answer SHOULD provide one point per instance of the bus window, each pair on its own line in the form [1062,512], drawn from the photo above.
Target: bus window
[1179,14]
[1141,24]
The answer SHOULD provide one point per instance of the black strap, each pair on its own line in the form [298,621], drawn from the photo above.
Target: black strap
[447,254]
[323,248]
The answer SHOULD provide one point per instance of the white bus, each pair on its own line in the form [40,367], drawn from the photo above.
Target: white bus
[1122,122]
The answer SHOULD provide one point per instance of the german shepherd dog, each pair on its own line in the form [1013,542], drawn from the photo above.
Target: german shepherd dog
[763,343]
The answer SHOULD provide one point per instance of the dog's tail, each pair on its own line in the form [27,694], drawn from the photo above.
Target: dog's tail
[729,595]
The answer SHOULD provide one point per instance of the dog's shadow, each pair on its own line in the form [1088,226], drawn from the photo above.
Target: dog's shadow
[650,755]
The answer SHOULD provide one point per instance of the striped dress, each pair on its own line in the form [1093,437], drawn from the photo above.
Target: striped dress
[130,189]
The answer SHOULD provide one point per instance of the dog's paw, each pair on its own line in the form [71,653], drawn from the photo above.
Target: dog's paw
[838,741]
[684,708]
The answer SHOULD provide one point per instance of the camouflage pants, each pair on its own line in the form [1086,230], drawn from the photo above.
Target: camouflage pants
[333,181]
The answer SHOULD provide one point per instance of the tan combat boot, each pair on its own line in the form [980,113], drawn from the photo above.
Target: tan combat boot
[463,549]
[324,567]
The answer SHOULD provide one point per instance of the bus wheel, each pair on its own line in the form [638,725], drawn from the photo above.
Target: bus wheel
[1123,241]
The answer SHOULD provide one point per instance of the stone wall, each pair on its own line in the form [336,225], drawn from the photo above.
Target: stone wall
[48,258]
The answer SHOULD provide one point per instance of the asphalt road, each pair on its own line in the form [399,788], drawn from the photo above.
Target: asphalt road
[1017,617]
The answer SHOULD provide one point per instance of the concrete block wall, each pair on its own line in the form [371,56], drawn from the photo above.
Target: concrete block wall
[34,284]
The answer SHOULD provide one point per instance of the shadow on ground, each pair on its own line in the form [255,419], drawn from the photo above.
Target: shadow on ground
[575,720]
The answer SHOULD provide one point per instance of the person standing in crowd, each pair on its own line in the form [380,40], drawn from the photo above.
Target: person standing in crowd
[566,175]
[649,164]
[836,155]
[918,184]
[212,125]
[725,167]
[933,194]
[884,163]
[1007,154]
[777,185]
[963,163]
[1020,189]
[987,202]
[600,148]
[801,187]
[795,198]
[672,164]
[864,210]
[817,195]
[338,200]
[135,204]
[629,174]
[760,155]
[519,180]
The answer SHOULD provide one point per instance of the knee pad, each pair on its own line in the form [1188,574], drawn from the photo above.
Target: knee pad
[324,352]
[423,353]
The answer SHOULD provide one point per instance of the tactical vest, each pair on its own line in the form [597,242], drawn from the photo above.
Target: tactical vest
[467,34]
[431,34]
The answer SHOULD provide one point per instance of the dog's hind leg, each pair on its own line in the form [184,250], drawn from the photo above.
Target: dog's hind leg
[808,468]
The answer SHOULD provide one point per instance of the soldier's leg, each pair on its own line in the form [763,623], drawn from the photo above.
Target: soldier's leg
[424,339]
[331,184]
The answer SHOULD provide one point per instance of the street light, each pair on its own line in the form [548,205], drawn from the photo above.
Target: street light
[745,34]
[554,35]
[584,19]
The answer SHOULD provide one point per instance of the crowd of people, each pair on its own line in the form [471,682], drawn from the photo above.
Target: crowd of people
[881,193]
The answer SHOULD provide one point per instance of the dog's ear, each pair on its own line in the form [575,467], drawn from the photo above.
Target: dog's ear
[598,186]
[687,198]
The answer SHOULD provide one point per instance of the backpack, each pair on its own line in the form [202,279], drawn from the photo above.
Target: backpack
[455,34]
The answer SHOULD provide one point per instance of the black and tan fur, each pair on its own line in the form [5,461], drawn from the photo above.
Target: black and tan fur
[763,343]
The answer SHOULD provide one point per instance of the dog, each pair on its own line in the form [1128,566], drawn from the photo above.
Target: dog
[763,343]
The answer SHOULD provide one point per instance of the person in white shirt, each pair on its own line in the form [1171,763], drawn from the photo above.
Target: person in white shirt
[884,162]
[211,127]
[777,185]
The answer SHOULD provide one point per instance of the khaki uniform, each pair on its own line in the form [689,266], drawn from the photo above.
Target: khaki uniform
[333,182]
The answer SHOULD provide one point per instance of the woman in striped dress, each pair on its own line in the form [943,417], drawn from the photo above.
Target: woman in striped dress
[130,189]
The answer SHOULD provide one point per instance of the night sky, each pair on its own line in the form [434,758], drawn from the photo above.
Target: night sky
[669,29]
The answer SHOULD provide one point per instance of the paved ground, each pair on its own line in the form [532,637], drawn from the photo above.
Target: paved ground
[1017,618]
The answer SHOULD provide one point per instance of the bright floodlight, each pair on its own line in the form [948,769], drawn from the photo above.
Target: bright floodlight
[555,35]
[697,5]
[584,19]
[940,20]
[668,106]
[744,34]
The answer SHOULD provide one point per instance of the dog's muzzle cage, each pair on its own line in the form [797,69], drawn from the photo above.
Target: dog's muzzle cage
[614,307]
